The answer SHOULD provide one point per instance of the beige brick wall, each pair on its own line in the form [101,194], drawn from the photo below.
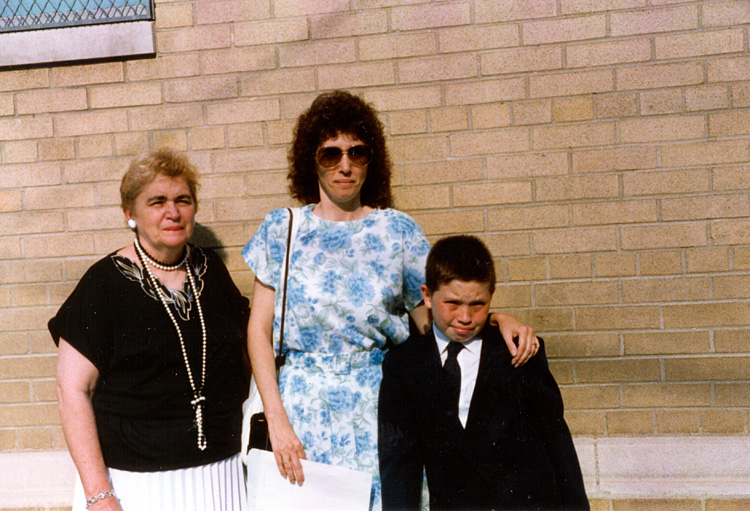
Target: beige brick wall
[600,148]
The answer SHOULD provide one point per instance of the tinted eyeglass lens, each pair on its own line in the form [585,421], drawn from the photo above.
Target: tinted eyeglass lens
[331,156]
[360,154]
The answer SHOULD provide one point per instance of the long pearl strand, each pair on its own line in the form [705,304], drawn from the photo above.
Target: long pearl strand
[198,397]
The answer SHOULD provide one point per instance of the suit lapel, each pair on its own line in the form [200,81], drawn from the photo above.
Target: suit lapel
[427,369]
[493,371]
[494,365]
[429,376]
[488,402]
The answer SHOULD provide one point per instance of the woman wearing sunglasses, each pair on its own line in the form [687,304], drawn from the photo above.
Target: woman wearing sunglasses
[355,273]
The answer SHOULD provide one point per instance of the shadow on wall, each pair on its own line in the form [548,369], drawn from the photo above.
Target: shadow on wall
[204,237]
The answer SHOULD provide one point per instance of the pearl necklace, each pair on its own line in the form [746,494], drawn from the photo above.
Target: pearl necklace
[158,264]
[198,397]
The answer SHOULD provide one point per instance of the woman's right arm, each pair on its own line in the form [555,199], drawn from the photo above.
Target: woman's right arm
[76,380]
[287,447]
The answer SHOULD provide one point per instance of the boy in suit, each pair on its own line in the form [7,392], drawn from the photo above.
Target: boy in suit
[488,435]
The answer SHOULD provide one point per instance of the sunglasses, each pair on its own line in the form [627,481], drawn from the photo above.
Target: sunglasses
[328,157]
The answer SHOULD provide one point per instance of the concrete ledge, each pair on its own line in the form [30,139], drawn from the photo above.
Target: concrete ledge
[672,467]
[36,479]
[77,43]
[613,468]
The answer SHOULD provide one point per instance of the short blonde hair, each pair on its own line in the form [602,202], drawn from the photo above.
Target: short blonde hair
[148,166]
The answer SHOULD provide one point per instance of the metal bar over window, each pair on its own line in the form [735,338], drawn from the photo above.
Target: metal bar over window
[18,15]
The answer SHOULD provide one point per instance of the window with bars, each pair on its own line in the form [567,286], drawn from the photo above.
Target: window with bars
[46,31]
[17,15]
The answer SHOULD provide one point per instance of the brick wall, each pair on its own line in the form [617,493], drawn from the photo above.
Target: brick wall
[601,149]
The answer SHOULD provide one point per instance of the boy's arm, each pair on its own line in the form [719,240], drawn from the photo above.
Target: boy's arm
[544,404]
[400,459]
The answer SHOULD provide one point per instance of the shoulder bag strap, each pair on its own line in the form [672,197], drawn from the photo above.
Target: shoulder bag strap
[281,357]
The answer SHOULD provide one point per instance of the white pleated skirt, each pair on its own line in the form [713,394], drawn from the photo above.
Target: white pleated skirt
[217,486]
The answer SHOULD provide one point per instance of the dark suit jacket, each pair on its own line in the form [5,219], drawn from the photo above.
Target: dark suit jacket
[515,453]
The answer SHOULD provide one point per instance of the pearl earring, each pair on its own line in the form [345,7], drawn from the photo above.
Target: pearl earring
[131,224]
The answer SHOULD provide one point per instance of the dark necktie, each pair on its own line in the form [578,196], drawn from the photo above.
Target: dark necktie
[453,376]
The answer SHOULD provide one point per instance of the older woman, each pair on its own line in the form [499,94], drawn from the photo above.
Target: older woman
[150,377]
[355,272]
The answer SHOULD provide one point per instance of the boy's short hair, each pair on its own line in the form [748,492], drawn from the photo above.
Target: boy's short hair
[463,258]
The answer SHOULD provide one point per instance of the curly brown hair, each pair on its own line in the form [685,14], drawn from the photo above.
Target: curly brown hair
[332,114]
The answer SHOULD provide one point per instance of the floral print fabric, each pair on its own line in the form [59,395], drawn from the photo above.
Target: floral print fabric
[350,286]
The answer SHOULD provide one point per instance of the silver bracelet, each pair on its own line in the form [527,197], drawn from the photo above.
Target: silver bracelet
[104,495]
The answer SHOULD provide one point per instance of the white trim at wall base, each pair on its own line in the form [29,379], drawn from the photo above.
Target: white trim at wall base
[613,468]
[36,479]
[88,42]
[666,467]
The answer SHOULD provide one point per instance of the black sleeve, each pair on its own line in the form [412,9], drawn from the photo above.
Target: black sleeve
[240,303]
[84,319]
[544,404]
[400,456]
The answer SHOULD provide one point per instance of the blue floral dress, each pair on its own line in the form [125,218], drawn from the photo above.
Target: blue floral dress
[349,289]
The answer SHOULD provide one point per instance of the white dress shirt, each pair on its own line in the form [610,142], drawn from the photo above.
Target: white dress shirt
[468,361]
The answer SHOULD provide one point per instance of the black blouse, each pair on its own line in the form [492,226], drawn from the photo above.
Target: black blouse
[142,399]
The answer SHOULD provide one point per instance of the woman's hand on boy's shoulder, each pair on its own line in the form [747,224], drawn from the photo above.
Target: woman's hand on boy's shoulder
[513,330]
